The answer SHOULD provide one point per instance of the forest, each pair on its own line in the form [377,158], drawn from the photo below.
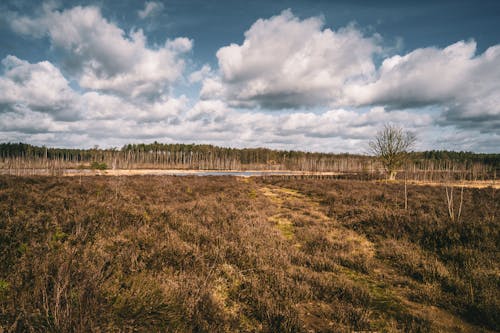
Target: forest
[21,158]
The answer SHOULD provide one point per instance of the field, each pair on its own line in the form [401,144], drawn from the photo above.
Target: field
[231,254]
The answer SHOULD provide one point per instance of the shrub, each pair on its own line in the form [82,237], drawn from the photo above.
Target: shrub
[98,166]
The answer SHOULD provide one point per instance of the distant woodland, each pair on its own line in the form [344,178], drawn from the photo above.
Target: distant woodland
[22,158]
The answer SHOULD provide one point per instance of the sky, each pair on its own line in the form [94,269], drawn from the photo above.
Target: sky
[289,74]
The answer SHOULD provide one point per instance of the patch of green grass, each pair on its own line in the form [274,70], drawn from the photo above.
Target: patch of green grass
[59,236]
[4,285]
[4,289]
[22,248]
[382,300]
[284,226]
[252,194]
[286,230]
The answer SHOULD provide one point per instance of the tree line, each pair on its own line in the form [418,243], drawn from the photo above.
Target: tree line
[183,156]
[428,165]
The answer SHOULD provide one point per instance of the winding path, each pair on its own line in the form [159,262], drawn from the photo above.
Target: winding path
[390,291]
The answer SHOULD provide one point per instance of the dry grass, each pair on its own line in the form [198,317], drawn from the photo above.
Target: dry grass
[225,254]
[466,183]
[422,258]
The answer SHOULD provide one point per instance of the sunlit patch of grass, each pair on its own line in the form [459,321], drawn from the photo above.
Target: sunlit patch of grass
[291,192]
[383,301]
[271,195]
[284,225]
[4,289]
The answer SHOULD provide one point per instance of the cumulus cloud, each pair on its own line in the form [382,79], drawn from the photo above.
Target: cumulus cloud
[288,63]
[348,124]
[28,122]
[477,105]
[422,77]
[201,74]
[150,8]
[285,62]
[104,57]
[37,87]
[98,106]
[28,111]
[42,88]
[463,85]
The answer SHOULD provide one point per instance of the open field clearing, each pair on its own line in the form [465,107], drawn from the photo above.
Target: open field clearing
[239,254]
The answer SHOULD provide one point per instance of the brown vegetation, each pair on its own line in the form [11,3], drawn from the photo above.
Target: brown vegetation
[225,254]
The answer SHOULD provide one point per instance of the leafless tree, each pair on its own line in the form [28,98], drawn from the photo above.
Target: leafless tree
[391,146]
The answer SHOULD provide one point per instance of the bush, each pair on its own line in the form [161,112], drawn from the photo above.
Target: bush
[98,166]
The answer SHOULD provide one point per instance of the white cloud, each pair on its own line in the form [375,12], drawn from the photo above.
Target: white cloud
[287,62]
[284,62]
[422,77]
[463,85]
[29,122]
[201,74]
[36,99]
[37,87]
[104,57]
[42,88]
[208,111]
[150,8]
[348,124]
[98,106]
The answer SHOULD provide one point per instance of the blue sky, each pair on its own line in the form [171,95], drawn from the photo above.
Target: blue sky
[310,75]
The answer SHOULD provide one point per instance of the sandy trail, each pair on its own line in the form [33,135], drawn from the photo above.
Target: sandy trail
[387,287]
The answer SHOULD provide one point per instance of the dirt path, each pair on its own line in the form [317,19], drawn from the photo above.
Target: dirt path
[292,206]
[297,214]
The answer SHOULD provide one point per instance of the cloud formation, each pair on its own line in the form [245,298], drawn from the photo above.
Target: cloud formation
[288,63]
[36,87]
[42,88]
[103,57]
[463,85]
[291,84]
[150,8]
[29,110]
[285,62]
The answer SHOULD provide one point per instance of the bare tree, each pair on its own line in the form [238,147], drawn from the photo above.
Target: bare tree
[391,146]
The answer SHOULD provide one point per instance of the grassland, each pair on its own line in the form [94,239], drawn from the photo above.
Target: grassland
[226,254]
